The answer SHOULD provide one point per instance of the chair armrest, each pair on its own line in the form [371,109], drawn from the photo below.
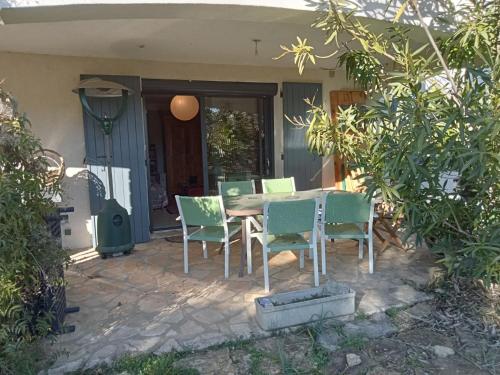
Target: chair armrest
[255,223]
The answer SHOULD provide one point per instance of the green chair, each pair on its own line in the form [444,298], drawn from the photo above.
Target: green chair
[344,216]
[236,188]
[285,223]
[278,185]
[207,215]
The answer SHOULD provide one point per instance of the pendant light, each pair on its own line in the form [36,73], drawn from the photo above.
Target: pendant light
[184,107]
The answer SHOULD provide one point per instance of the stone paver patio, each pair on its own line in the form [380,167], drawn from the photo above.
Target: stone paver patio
[145,303]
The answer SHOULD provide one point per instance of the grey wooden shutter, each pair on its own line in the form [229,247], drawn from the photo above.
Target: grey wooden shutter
[129,155]
[298,161]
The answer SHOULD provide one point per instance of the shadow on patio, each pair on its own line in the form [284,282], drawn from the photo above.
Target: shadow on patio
[144,302]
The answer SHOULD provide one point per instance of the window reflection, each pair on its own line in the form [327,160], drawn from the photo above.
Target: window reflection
[234,139]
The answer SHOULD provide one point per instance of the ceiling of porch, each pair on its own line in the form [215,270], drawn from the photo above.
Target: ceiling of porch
[211,34]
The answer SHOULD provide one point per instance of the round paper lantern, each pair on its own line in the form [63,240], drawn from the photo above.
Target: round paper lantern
[184,107]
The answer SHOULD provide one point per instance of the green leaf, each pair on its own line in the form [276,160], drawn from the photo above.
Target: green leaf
[400,11]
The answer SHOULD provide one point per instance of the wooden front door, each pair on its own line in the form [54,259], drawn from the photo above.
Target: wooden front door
[340,99]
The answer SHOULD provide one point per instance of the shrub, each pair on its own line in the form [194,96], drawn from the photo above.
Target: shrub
[29,257]
[433,112]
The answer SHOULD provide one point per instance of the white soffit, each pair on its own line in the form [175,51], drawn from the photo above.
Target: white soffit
[188,32]
[20,11]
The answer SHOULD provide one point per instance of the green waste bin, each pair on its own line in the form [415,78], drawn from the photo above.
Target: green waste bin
[113,230]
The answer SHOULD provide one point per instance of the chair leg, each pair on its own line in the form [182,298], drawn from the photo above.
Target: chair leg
[205,252]
[332,247]
[226,258]
[315,265]
[266,270]
[323,255]
[370,253]
[361,248]
[249,246]
[186,270]
[301,258]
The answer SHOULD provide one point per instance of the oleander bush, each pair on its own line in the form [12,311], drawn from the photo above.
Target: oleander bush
[431,122]
[29,257]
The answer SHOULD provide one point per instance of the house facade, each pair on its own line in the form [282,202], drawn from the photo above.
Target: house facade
[219,52]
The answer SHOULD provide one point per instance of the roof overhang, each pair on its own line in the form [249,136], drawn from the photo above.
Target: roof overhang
[200,31]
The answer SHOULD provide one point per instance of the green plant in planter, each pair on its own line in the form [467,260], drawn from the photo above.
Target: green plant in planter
[431,118]
[29,257]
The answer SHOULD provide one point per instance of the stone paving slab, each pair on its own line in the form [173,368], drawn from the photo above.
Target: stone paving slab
[145,303]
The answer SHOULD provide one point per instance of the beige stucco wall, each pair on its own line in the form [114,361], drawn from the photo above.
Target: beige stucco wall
[42,85]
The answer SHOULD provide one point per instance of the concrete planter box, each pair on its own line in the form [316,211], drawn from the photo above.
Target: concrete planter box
[289,309]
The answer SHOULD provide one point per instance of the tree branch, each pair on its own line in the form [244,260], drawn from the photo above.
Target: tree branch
[414,6]
[459,230]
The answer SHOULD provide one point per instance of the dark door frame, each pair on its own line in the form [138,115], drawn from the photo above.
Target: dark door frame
[202,89]
[207,88]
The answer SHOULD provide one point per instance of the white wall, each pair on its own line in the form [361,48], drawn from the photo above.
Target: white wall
[42,85]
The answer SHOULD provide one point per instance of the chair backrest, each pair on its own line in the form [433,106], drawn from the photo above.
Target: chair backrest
[291,216]
[278,185]
[201,211]
[346,207]
[235,188]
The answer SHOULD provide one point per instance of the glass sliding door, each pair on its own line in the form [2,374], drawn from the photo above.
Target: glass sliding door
[235,140]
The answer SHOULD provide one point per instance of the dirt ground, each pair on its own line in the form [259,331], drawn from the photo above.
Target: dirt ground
[461,318]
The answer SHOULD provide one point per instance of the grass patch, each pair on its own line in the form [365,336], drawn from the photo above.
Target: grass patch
[412,361]
[286,365]
[247,345]
[393,312]
[232,345]
[356,342]
[360,315]
[256,357]
[26,359]
[339,329]
[320,357]
[144,364]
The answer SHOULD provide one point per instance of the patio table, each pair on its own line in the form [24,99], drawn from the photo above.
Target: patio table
[247,205]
